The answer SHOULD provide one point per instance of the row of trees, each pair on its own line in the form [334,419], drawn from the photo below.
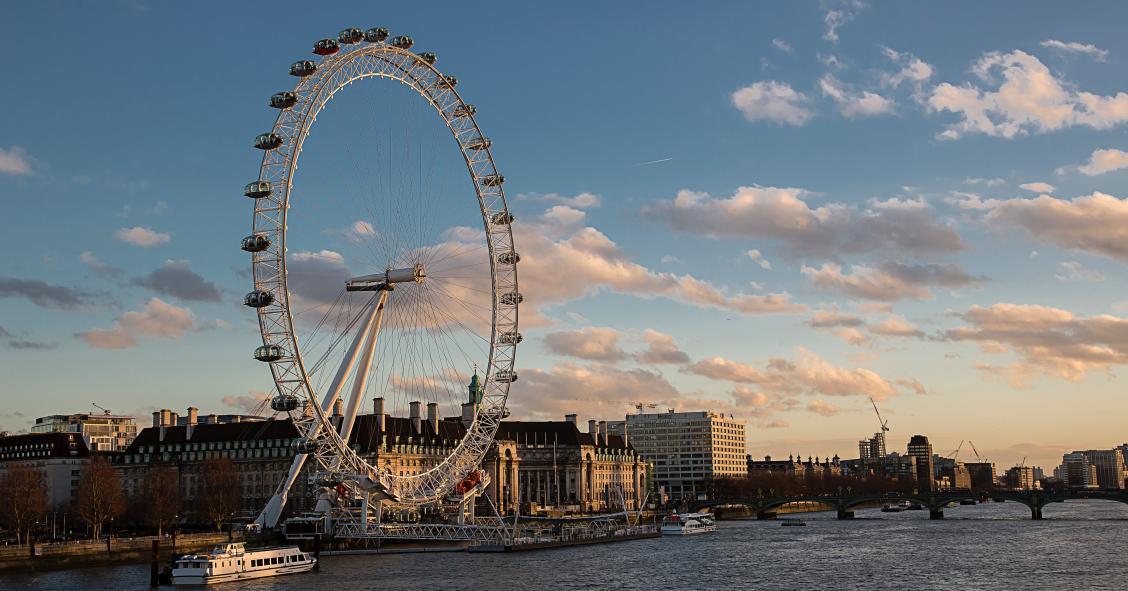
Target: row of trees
[158,503]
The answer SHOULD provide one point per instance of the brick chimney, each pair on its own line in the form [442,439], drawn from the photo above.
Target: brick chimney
[593,429]
[156,419]
[193,417]
[433,416]
[378,410]
[572,419]
[602,432]
[416,418]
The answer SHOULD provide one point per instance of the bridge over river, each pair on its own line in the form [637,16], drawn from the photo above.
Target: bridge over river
[934,502]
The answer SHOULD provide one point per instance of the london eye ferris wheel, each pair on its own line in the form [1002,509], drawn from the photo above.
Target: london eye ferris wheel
[387,268]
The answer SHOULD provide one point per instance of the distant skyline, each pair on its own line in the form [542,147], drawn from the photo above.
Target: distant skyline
[771,210]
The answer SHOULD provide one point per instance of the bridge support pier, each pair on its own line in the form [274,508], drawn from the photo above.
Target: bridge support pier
[845,514]
[1035,512]
[765,515]
[936,514]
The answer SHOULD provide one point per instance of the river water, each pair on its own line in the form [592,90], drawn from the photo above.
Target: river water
[1079,545]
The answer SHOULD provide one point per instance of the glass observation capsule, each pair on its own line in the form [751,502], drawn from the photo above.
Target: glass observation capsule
[478,143]
[304,446]
[376,35]
[464,110]
[256,243]
[283,100]
[349,36]
[429,57]
[284,402]
[268,141]
[510,338]
[505,376]
[508,258]
[258,189]
[493,180]
[502,218]
[302,68]
[451,80]
[258,299]
[403,42]
[326,47]
[512,298]
[268,353]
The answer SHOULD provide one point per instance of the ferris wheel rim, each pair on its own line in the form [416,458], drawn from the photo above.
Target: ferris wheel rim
[276,321]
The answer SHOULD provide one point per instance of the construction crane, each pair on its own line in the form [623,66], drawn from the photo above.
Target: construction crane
[883,422]
[956,454]
[638,405]
[104,410]
[978,457]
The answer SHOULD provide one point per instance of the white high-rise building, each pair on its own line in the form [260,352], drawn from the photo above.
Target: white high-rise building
[686,449]
[102,432]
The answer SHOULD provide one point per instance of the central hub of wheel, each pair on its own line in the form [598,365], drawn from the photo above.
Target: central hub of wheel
[377,281]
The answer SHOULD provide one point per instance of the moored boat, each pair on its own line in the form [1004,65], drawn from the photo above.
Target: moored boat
[688,524]
[233,562]
[792,522]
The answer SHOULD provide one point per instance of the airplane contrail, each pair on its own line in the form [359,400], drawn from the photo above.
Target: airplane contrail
[655,161]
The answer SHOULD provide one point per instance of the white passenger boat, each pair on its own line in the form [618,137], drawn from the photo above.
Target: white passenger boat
[688,523]
[233,562]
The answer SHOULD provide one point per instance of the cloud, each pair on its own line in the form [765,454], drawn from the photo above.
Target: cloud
[759,259]
[15,161]
[895,326]
[593,343]
[23,345]
[253,402]
[143,237]
[852,103]
[159,319]
[1096,223]
[1075,47]
[782,45]
[316,277]
[810,374]
[581,201]
[1038,187]
[822,408]
[1074,272]
[176,279]
[669,259]
[1047,340]
[1102,161]
[772,101]
[595,391]
[890,281]
[835,18]
[834,319]
[782,214]
[99,268]
[1028,99]
[42,294]
[914,71]
[661,349]
[987,182]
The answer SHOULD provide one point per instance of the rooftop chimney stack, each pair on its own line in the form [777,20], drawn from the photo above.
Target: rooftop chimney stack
[602,432]
[433,416]
[211,419]
[573,419]
[166,414]
[626,442]
[378,410]
[156,419]
[193,417]
[467,414]
[416,418]
[593,430]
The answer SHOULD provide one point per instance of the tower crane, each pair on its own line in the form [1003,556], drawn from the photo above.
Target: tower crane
[103,409]
[638,405]
[978,457]
[956,454]
[883,422]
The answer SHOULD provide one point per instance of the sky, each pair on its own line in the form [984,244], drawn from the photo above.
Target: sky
[773,210]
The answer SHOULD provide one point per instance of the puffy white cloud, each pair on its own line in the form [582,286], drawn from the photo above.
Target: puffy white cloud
[15,161]
[1038,187]
[1047,340]
[593,343]
[1028,99]
[853,103]
[890,281]
[913,72]
[159,319]
[759,259]
[895,326]
[1075,47]
[993,182]
[143,237]
[822,408]
[833,319]
[583,200]
[782,45]
[253,402]
[838,13]
[1102,161]
[772,101]
[1096,223]
[178,280]
[661,349]
[782,214]
[1074,271]
[595,391]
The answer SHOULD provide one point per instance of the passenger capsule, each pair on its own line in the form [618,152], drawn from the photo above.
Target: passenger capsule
[403,42]
[464,110]
[350,36]
[268,141]
[451,80]
[502,218]
[284,403]
[283,100]
[429,57]
[258,299]
[377,35]
[493,180]
[256,243]
[304,446]
[328,479]
[505,376]
[326,47]
[268,353]
[258,189]
[302,68]
[478,143]
[510,338]
[508,258]
[512,298]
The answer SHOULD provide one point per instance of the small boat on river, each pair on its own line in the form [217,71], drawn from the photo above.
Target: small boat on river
[233,562]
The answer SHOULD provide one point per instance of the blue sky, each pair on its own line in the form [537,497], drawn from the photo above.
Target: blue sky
[873,155]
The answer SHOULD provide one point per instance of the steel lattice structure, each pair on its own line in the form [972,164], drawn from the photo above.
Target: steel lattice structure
[388,60]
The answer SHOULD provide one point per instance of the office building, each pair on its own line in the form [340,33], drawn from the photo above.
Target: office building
[102,432]
[921,451]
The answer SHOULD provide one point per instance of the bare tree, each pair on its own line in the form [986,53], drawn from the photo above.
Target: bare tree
[23,499]
[100,497]
[219,493]
[160,500]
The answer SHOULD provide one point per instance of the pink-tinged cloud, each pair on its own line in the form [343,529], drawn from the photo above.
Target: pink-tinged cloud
[661,349]
[159,319]
[15,161]
[1096,223]
[143,237]
[822,408]
[889,281]
[591,343]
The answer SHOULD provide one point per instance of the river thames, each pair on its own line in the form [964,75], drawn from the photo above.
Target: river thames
[1079,545]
